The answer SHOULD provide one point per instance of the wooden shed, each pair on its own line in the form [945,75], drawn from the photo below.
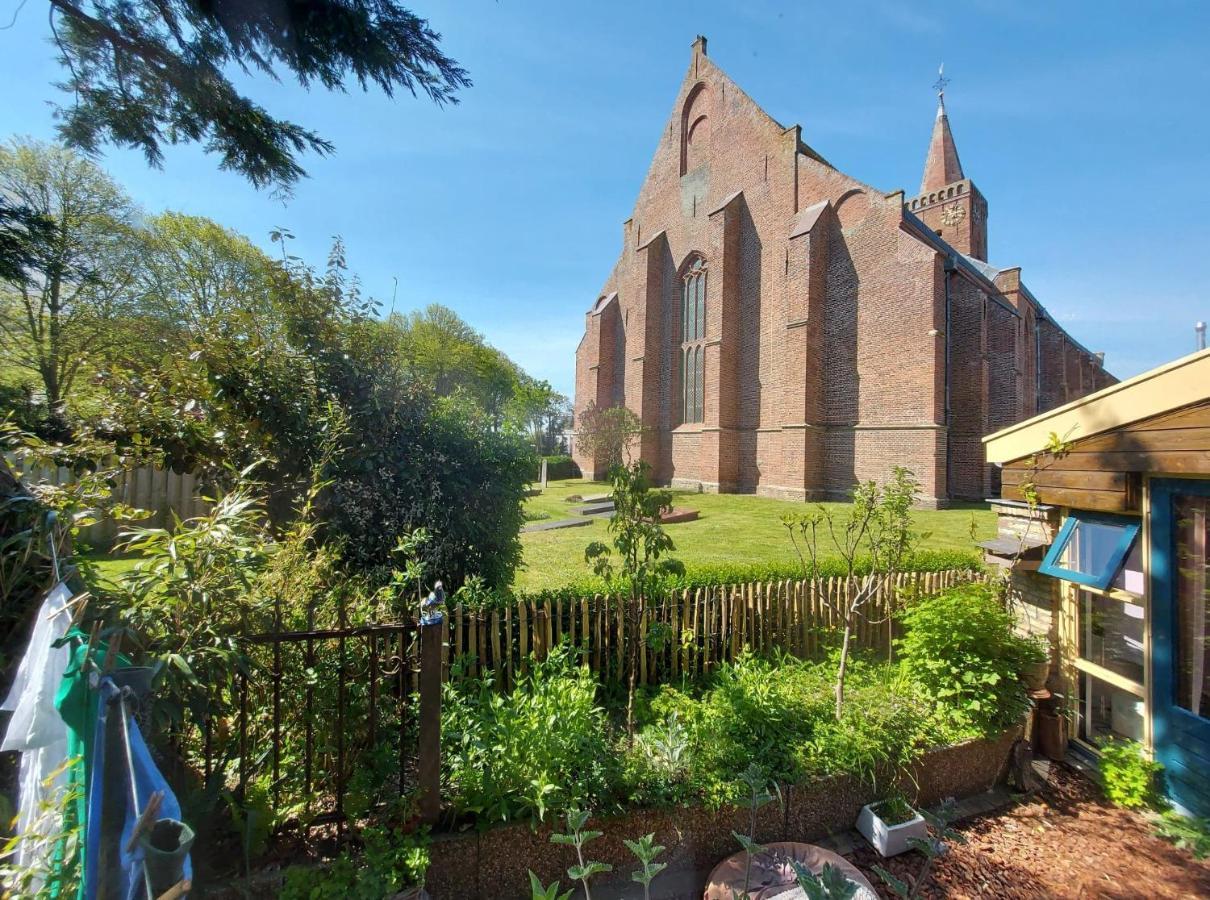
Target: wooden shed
[1105,524]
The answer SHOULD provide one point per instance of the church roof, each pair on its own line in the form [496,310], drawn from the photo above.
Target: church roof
[941,166]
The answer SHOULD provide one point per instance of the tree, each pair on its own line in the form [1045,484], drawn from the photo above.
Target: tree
[445,353]
[874,538]
[533,408]
[607,432]
[199,277]
[21,231]
[639,541]
[80,274]
[144,73]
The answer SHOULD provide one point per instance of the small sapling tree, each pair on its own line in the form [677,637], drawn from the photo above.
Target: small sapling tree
[873,538]
[639,541]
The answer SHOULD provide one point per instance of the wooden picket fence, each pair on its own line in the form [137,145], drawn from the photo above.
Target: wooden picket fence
[160,492]
[686,633]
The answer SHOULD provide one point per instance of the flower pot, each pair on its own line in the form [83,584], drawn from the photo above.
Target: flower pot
[890,840]
[1035,676]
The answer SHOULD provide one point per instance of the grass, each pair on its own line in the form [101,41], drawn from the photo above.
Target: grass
[730,529]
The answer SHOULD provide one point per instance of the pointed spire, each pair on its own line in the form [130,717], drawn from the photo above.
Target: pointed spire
[942,166]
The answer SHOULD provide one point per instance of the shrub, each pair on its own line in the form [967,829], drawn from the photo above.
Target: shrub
[546,746]
[389,862]
[561,467]
[961,648]
[779,714]
[1128,776]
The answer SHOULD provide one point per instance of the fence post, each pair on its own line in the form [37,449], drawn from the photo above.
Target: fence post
[429,751]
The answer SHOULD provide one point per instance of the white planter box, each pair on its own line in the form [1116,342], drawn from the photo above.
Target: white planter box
[889,840]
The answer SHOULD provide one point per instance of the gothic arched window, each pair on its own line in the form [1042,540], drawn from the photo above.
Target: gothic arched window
[693,342]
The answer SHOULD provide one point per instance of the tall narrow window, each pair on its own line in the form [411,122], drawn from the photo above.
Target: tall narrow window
[693,339]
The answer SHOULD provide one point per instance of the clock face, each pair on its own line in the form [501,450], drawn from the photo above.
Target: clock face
[953,214]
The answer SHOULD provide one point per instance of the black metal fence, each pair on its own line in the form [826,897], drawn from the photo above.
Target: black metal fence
[326,724]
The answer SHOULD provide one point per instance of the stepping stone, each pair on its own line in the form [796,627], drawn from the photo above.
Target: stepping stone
[555,523]
[594,509]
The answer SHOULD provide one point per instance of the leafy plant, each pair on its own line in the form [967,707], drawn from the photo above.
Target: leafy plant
[830,884]
[1128,776]
[1190,833]
[960,646]
[639,541]
[646,850]
[389,862]
[551,892]
[876,525]
[544,746]
[933,848]
[895,810]
[761,791]
[577,837]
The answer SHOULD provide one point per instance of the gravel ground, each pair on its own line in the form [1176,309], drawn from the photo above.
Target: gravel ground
[1065,841]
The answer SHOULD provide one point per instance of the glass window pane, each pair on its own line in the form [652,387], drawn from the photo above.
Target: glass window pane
[686,387]
[1106,712]
[701,384]
[1130,578]
[1090,549]
[685,311]
[1192,529]
[701,306]
[1111,635]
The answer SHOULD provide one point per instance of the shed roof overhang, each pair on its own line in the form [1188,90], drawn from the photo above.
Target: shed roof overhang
[1160,390]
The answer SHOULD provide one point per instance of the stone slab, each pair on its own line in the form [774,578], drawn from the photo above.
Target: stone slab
[553,524]
[594,509]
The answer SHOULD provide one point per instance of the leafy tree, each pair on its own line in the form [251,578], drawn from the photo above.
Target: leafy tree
[199,277]
[607,433]
[639,541]
[873,534]
[144,73]
[441,350]
[21,231]
[536,409]
[80,274]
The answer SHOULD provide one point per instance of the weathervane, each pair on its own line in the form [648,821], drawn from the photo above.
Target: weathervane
[941,82]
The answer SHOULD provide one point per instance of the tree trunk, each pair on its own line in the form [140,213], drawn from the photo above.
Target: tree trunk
[844,660]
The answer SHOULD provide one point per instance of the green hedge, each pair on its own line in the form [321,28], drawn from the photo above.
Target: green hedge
[560,467]
[722,574]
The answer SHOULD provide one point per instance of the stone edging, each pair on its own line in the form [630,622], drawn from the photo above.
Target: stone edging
[494,864]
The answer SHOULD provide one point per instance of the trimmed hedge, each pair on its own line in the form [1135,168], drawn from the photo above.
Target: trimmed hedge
[724,574]
[561,467]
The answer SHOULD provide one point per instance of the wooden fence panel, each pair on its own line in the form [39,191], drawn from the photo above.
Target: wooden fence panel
[702,627]
[160,492]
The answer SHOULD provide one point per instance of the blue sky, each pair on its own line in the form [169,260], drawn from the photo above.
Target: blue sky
[1084,125]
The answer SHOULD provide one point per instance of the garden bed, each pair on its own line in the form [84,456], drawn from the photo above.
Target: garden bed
[495,863]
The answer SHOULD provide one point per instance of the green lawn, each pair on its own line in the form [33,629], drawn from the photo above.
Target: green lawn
[730,529]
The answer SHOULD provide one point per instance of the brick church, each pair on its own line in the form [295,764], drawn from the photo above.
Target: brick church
[785,329]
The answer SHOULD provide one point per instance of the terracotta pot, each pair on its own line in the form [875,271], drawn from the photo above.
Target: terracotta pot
[1035,676]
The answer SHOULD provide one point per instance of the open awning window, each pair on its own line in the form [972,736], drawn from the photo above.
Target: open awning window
[1090,549]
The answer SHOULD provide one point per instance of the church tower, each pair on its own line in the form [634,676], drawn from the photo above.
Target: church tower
[948,202]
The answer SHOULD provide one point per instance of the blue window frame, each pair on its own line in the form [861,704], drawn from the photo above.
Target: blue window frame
[1090,549]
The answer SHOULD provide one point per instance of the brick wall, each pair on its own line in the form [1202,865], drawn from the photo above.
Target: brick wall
[826,309]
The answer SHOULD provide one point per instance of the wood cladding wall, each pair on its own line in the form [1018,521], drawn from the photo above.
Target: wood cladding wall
[1104,472]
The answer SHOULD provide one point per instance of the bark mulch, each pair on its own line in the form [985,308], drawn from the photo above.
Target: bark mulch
[1064,841]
